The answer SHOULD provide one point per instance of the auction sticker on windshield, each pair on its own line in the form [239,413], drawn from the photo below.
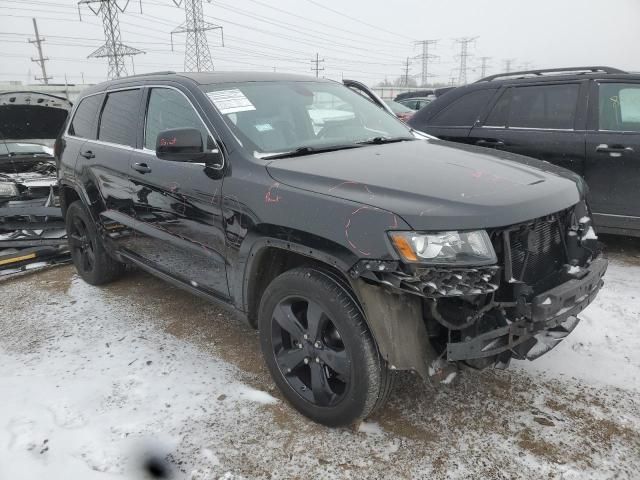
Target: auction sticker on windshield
[230,101]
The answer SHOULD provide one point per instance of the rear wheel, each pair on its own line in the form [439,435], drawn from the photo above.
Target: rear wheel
[319,350]
[91,260]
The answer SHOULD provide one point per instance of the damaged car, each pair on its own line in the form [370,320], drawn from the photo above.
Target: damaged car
[31,224]
[356,247]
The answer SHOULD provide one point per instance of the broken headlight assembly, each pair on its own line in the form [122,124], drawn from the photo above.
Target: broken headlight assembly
[8,189]
[445,248]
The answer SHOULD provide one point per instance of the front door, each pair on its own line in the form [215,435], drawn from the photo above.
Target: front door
[180,230]
[613,155]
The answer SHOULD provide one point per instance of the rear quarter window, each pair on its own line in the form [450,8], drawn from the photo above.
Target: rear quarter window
[465,111]
[83,122]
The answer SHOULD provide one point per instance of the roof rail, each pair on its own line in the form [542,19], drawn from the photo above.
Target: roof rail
[166,72]
[541,72]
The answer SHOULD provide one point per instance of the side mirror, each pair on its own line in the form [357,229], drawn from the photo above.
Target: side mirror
[185,145]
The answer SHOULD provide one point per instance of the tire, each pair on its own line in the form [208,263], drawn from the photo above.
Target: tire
[307,316]
[89,256]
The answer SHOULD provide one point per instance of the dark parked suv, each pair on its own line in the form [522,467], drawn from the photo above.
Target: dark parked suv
[586,119]
[353,244]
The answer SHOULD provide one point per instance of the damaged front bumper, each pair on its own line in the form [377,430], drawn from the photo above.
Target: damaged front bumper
[552,315]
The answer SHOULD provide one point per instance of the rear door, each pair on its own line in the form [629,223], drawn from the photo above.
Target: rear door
[613,154]
[181,229]
[81,128]
[544,121]
[103,164]
[455,120]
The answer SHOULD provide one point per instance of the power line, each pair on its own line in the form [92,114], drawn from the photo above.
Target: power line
[113,49]
[359,20]
[197,56]
[317,62]
[324,24]
[464,54]
[41,59]
[425,57]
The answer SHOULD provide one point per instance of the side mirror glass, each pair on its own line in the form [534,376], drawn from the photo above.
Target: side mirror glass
[185,145]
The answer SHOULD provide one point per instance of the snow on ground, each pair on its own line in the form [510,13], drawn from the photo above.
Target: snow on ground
[604,349]
[94,379]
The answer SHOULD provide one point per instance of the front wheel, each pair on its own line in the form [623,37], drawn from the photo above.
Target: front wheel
[319,350]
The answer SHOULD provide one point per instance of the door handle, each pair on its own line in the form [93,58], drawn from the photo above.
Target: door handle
[88,154]
[483,142]
[613,149]
[141,167]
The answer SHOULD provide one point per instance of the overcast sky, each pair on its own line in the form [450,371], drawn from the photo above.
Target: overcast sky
[358,39]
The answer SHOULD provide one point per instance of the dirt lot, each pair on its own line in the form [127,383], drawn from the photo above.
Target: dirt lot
[93,379]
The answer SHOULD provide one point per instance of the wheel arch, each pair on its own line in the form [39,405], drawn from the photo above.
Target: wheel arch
[67,195]
[271,257]
[394,320]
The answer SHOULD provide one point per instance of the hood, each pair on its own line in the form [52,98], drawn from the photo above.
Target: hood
[32,115]
[436,185]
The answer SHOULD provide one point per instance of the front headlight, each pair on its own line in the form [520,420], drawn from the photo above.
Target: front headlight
[8,189]
[457,248]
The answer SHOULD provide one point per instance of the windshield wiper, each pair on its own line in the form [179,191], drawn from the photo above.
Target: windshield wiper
[382,140]
[301,151]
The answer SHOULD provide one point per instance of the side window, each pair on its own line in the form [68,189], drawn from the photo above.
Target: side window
[119,118]
[168,109]
[544,106]
[619,107]
[465,111]
[82,124]
[500,113]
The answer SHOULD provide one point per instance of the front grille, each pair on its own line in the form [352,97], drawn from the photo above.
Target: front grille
[537,249]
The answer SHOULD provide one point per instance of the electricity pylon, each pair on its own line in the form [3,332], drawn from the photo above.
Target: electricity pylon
[113,48]
[197,56]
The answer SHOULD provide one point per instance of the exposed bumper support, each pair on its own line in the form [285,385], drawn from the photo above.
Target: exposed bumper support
[553,316]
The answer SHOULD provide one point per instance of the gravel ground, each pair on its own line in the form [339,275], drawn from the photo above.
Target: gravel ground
[93,380]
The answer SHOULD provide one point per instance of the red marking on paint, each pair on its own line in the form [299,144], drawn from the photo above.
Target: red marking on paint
[477,174]
[395,222]
[371,195]
[348,225]
[167,142]
[272,194]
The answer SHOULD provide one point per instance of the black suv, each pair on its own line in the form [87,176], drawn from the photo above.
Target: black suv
[353,244]
[586,119]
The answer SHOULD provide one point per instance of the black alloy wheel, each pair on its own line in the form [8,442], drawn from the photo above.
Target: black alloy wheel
[82,248]
[309,351]
[318,348]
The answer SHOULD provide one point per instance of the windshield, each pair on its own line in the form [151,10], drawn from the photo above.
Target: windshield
[398,107]
[275,117]
[21,148]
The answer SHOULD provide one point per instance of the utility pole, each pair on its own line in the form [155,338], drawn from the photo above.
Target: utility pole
[197,56]
[406,73]
[464,54]
[113,48]
[507,64]
[484,63]
[41,59]
[425,57]
[317,63]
